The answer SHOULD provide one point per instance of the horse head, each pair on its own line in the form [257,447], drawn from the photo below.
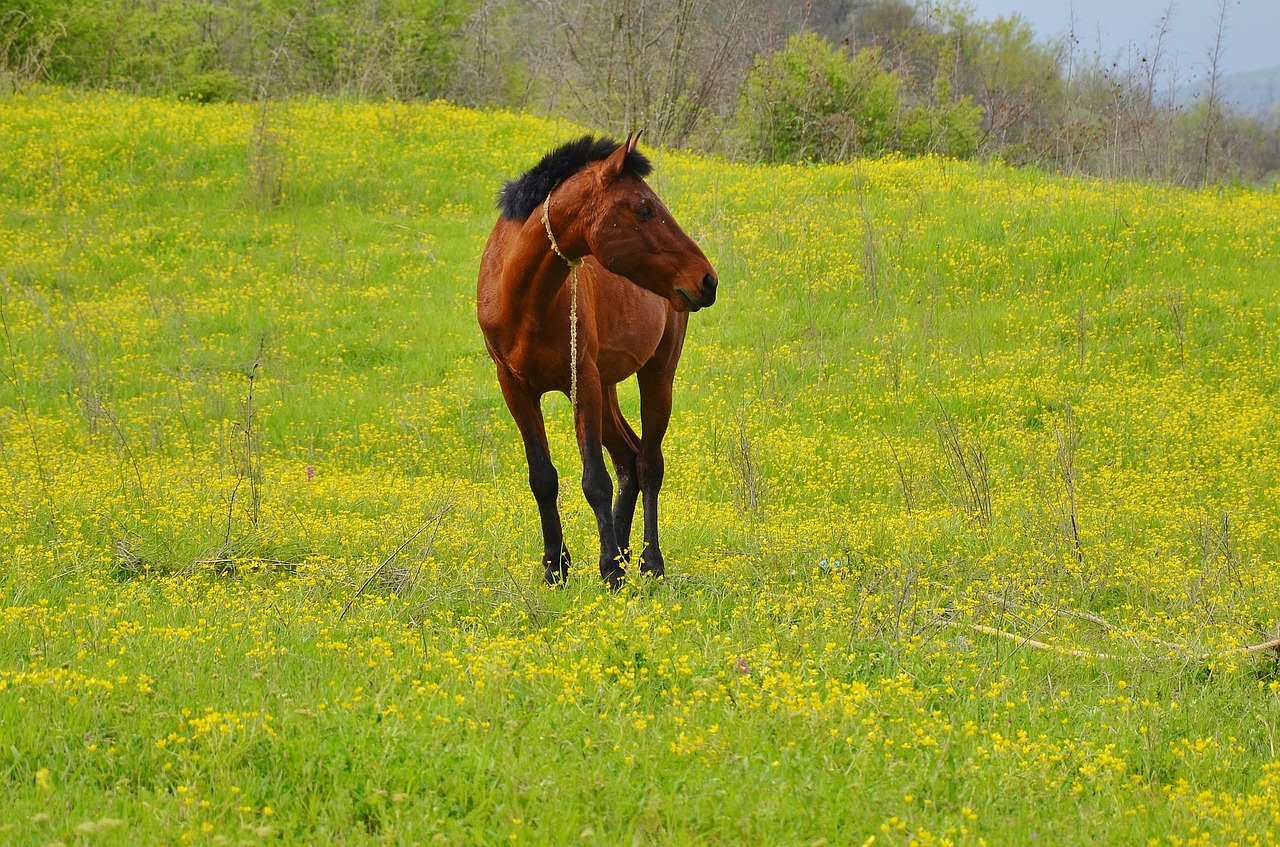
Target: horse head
[631,232]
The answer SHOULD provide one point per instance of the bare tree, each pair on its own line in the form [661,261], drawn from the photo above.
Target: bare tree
[490,67]
[1213,94]
[661,65]
[1122,114]
[25,50]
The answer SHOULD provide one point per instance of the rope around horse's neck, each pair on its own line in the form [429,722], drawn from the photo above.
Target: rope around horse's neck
[573,302]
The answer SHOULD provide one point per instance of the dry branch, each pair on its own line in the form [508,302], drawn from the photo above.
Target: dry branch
[1023,641]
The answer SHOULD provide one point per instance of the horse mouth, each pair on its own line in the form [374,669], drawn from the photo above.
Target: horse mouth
[689,304]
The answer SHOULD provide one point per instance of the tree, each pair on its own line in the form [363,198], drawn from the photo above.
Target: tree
[1017,82]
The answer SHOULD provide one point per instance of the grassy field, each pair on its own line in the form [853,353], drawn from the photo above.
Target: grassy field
[270,569]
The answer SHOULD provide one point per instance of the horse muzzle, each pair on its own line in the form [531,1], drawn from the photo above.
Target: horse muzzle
[705,296]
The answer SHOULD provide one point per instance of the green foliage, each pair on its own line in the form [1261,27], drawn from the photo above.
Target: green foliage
[943,123]
[220,51]
[813,101]
[911,77]
[810,101]
[24,47]
[1016,79]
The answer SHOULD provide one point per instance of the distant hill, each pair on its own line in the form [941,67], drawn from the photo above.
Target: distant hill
[1254,91]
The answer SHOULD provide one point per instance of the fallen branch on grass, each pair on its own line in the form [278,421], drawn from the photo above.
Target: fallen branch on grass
[1273,644]
[1087,616]
[1031,642]
[1022,641]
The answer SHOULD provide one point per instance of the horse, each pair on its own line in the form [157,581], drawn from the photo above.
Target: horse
[634,277]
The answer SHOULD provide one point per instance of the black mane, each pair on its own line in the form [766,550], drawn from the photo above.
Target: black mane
[519,197]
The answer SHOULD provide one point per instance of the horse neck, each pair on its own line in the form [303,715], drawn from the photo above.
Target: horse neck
[533,274]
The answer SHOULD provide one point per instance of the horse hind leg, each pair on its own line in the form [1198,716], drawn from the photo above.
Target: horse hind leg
[544,481]
[655,415]
[597,486]
[623,446]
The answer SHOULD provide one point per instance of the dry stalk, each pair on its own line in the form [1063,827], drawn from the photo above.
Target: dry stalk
[908,490]
[870,249]
[1091,618]
[1031,642]
[250,464]
[745,464]
[966,462]
[1178,321]
[13,377]
[1068,442]
[432,523]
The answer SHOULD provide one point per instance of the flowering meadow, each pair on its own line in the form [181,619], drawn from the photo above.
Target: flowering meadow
[972,503]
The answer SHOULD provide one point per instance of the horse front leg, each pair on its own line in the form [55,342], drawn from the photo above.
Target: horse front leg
[544,481]
[597,486]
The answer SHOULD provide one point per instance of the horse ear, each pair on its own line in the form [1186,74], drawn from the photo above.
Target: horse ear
[613,166]
[633,141]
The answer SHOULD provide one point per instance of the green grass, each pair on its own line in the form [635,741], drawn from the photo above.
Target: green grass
[271,563]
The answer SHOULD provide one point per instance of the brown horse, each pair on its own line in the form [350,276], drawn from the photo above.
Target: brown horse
[586,207]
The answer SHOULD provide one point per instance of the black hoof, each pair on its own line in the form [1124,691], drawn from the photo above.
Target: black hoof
[652,565]
[556,572]
[614,578]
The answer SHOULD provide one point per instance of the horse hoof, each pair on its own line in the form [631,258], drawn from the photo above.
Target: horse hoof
[556,573]
[615,579]
[652,566]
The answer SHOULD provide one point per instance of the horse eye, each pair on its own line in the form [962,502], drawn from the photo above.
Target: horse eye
[644,213]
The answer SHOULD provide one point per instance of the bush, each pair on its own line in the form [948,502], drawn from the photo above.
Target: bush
[943,124]
[813,101]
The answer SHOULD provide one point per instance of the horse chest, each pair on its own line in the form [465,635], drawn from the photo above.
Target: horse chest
[626,349]
[539,356]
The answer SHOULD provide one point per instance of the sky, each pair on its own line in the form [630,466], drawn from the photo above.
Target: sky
[1251,37]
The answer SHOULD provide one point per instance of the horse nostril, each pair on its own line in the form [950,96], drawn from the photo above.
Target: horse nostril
[704,296]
